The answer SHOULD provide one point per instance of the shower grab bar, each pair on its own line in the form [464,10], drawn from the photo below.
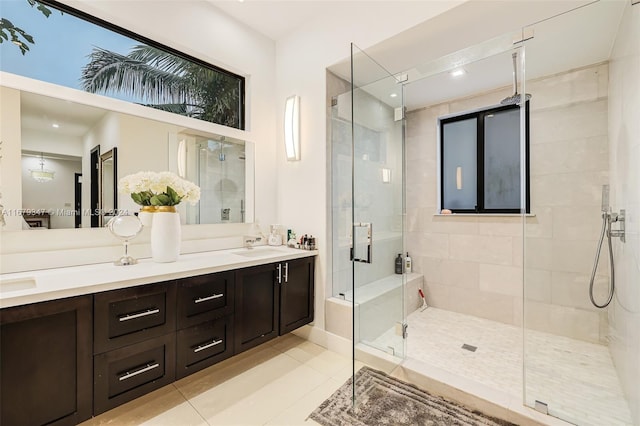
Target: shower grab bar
[369,227]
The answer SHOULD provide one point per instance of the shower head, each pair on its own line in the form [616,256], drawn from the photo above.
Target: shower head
[516,97]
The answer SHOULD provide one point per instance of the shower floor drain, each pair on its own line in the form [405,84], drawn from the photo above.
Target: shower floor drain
[469,347]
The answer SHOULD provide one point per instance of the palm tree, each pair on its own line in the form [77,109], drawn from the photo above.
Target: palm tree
[165,81]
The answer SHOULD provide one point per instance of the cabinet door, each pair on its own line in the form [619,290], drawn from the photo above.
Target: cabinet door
[257,306]
[46,362]
[204,298]
[127,316]
[296,294]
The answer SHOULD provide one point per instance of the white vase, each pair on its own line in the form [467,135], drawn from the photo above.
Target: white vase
[165,235]
[146,215]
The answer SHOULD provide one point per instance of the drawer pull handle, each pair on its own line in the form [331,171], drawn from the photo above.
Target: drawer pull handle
[138,315]
[134,373]
[205,299]
[207,346]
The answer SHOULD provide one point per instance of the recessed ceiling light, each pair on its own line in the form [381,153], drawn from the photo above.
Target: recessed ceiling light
[458,72]
[393,95]
[55,125]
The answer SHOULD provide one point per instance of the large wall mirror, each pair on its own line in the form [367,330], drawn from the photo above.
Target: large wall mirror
[81,144]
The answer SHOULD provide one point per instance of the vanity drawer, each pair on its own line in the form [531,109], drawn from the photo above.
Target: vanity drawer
[127,373]
[124,317]
[204,298]
[203,345]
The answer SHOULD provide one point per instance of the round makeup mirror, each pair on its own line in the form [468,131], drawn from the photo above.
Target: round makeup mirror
[126,228]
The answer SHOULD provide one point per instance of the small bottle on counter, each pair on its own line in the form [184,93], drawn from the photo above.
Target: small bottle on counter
[292,242]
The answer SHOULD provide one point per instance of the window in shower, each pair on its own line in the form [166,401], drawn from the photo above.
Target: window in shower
[480,161]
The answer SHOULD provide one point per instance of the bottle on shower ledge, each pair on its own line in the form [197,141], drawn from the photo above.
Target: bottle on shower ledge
[407,264]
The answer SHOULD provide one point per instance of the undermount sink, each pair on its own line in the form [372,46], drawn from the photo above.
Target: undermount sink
[17,284]
[257,252]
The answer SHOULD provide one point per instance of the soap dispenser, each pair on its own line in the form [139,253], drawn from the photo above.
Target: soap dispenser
[399,264]
[275,237]
[407,263]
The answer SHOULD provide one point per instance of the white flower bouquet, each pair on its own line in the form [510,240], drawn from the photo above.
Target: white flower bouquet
[158,189]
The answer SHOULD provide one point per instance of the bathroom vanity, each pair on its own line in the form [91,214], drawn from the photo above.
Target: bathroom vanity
[64,359]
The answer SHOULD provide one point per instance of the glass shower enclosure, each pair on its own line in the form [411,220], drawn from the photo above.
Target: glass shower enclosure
[372,218]
[515,281]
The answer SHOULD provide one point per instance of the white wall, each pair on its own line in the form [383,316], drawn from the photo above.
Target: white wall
[142,145]
[11,198]
[624,158]
[51,142]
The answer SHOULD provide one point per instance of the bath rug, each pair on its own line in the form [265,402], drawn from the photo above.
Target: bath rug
[384,400]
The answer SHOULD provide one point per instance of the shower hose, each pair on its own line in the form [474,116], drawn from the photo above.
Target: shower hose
[606,228]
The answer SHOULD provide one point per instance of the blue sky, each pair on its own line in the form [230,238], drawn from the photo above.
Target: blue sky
[62,44]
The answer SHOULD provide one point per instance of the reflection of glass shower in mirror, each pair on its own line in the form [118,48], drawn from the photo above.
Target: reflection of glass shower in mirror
[218,167]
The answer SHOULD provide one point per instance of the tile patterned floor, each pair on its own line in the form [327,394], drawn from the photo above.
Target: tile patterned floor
[278,383]
[576,379]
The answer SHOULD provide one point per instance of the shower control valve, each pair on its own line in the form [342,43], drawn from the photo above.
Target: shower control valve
[620,218]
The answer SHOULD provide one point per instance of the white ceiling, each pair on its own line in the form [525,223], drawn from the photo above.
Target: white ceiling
[42,112]
[276,19]
[571,40]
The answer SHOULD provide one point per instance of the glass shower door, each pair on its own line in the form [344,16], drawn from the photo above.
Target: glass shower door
[377,198]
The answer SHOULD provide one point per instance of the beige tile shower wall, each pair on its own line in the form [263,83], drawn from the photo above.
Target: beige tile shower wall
[624,127]
[473,264]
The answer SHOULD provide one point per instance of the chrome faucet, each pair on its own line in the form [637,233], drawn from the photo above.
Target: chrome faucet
[249,240]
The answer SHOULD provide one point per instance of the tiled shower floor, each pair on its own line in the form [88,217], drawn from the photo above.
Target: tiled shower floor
[576,379]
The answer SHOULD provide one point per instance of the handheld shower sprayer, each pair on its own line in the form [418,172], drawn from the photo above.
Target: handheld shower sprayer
[607,219]
[605,199]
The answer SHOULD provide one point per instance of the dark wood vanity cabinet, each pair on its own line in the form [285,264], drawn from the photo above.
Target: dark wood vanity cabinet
[134,343]
[64,360]
[257,306]
[296,294]
[272,300]
[46,362]
[205,306]
[123,374]
[130,315]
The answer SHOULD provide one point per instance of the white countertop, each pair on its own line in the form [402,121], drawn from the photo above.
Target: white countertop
[22,288]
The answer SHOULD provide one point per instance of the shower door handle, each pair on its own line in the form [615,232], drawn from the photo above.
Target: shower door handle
[369,227]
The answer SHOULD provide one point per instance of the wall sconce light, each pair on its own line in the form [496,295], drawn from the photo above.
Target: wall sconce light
[292,128]
[42,175]
[458,177]
[386,175]
[182,158]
